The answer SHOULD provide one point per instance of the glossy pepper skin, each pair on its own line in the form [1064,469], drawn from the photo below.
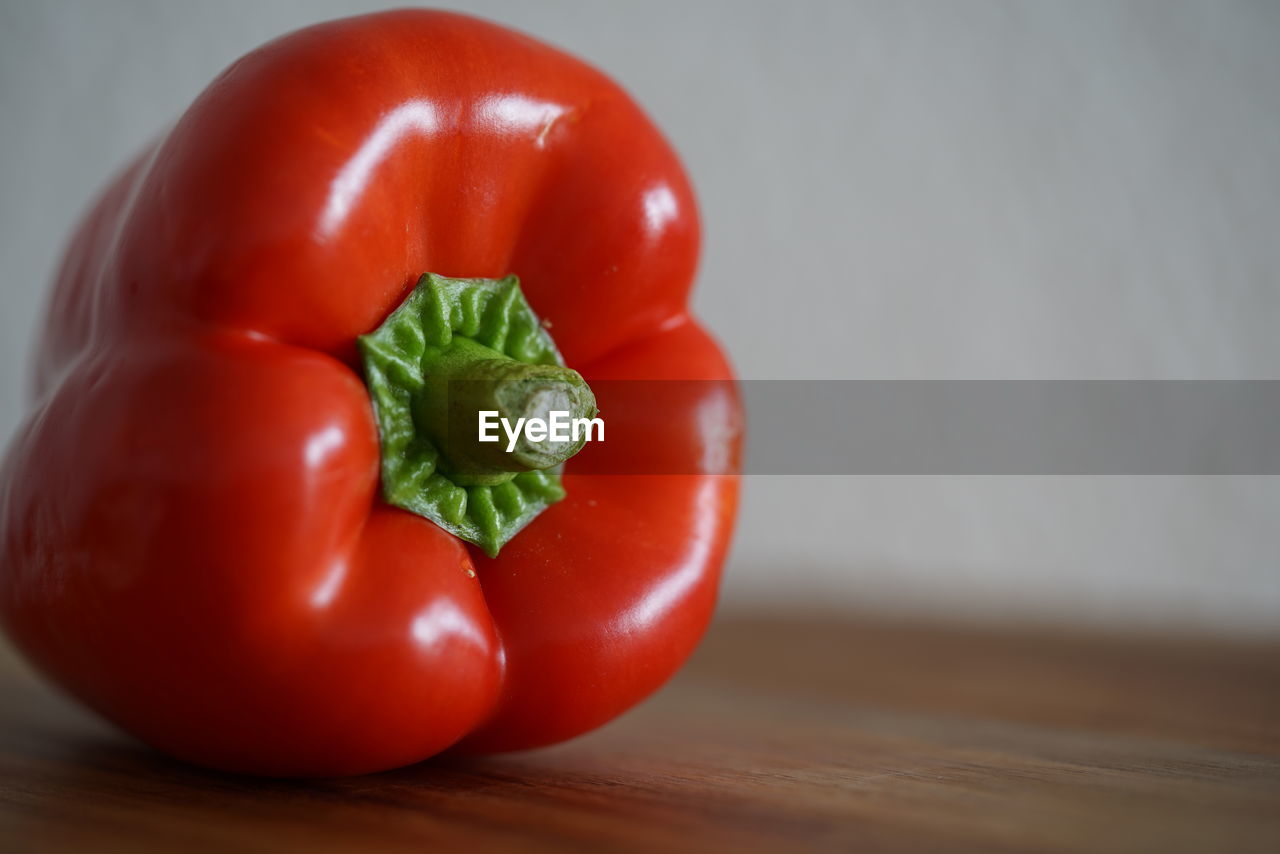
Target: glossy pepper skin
[193,542]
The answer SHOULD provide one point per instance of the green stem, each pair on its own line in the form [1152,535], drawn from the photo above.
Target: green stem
[453,349]
[467,379]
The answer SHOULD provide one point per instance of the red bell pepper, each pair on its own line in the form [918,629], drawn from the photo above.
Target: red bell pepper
[195,541]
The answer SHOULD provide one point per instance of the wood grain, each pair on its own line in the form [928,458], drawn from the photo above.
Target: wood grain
[782,734]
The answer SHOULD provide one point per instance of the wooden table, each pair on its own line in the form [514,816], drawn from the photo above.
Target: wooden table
[780,735]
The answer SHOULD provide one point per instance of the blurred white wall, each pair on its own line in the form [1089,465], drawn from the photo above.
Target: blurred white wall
[890,190]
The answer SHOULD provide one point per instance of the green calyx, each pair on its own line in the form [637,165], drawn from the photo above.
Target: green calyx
[454,351]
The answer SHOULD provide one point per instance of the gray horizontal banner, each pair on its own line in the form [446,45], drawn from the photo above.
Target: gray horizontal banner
[975,427]
[938,427]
